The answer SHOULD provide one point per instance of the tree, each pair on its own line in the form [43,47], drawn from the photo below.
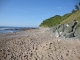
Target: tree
[76,7]
[79,3]
[73,11]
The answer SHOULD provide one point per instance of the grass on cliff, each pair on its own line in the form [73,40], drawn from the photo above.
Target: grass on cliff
[57,19]
[74,16]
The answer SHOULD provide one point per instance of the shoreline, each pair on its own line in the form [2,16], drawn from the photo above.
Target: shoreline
[22,32]
[9,30]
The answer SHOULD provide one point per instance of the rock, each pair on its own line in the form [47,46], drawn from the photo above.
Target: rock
[53,29]
[77,32]
[73,23]
[61,28]
[69,35]
[67,30]
[57,33]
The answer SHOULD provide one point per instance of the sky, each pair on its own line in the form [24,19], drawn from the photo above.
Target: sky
[30,13]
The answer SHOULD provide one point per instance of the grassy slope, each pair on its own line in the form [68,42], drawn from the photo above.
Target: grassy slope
[61,19]
[57,19]
[74,16]
[51,21]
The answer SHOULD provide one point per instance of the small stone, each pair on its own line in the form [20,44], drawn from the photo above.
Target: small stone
[8,50]
[0,50]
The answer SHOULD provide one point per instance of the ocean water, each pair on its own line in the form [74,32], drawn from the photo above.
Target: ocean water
[6,29]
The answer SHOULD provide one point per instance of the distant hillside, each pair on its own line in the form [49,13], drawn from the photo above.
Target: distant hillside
[57,19]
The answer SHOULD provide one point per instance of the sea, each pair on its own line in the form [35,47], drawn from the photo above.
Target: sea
[7,29]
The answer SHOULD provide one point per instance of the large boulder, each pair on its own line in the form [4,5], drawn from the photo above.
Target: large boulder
[64,29]
[77,32]
[53,29]
[61,28]
[67,30]
[73,23]
[69,35]
[57,33]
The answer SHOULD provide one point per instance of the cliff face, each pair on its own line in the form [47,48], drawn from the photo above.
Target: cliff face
[67,30]
[67,25]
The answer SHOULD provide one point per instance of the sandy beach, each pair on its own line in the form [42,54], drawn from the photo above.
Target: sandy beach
[38,44]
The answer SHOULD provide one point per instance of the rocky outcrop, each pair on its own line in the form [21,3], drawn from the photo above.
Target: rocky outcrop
[67,30]
[77,32]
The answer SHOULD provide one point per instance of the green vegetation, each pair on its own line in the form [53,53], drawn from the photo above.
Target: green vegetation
[74,16]
[51,21]
[57,19]
[76,7]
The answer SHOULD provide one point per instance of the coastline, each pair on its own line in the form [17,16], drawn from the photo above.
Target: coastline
[22,32]
[38,44]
